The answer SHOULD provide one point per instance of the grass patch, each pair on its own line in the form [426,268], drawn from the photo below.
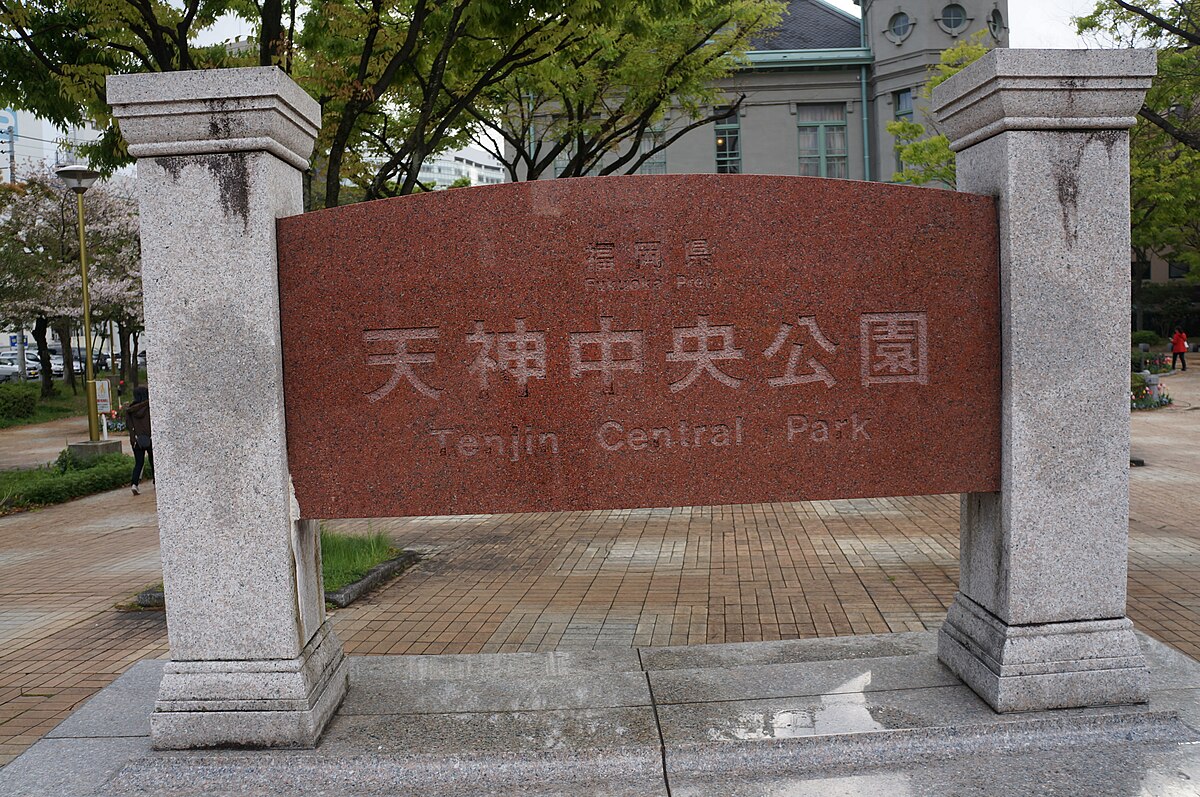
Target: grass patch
[62,480]
[62,405]
[346,558]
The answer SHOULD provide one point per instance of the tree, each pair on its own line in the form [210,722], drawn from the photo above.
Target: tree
[1164,146]
[55,55]
[396,78]
[37,280]
[115,266]
[928,158]
[599,105]
[40,282]
[1171,304]
[1173,28]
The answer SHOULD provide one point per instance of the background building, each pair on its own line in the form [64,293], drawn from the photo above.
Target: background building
[445,168]
[822,87]
[29,143]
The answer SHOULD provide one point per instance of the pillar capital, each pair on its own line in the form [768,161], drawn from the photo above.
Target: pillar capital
[210,111]
[1043,90]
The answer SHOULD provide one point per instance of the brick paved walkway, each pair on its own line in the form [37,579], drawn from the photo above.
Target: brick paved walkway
[563,580]
[61,571]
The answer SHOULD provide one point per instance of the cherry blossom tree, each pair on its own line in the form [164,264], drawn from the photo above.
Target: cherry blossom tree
[40,281]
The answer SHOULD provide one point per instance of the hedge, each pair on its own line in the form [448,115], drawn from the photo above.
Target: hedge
[18,401]
[1147,336]
[65,479]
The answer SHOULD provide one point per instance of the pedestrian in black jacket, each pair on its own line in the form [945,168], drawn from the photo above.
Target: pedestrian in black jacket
[137,420]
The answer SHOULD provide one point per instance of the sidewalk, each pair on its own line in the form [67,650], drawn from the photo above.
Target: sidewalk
[61,571]
[571,581]
[29,446]
[861,716]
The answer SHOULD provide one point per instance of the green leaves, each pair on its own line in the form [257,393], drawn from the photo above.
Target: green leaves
[621,88]
[1164,156]
[927,158]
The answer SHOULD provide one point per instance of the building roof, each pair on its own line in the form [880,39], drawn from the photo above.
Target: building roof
[811,25]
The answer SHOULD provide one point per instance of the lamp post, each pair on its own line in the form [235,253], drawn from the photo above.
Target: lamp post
[79,179]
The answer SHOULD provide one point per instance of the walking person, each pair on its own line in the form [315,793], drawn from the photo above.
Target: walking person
[137,420]
[1179,346]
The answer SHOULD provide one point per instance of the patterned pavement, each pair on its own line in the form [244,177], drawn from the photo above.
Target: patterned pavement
[578,580]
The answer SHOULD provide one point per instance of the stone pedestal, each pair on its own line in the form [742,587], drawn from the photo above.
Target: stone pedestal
[1040,618]
[220,154]
[89,449]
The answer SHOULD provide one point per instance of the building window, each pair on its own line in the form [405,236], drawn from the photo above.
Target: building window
[729,142]
[953,19]
[1177,271]
[656,163]
[899,26]
[902,103]
[996,24]
[822,134]
[561,160]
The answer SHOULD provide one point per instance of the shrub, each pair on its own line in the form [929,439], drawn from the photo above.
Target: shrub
[66,478]
[1147,336]
[103,476]
[1154,363]
[18,401]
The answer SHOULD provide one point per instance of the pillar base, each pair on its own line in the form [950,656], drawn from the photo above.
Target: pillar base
[1045,666]
[91,449]
[256,703]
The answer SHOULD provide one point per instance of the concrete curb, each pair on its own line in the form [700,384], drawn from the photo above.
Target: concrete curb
[375,576]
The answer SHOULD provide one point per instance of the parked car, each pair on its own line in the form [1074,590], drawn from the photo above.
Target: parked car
[9,372]
[32,369]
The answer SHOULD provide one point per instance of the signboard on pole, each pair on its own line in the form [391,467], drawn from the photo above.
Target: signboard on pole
[103,396]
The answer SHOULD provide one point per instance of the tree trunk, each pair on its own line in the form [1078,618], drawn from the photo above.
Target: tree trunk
[40,327]
[62,331]
[134,371]
[270,35]
[123,336]
[337,151]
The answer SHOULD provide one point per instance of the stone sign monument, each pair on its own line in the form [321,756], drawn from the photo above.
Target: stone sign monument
[638,341]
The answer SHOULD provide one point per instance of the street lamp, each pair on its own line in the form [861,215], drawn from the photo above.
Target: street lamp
[79,179]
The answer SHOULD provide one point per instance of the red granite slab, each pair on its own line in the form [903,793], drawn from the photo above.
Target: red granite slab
[640,341]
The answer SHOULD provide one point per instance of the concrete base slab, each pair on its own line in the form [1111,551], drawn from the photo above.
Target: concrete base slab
[1037,667]
[89,449]
[852,716]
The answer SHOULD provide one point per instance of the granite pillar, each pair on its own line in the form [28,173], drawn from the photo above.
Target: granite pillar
[1039,621]
[220,156]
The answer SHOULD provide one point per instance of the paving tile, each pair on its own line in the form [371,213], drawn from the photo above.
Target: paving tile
[581,582]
